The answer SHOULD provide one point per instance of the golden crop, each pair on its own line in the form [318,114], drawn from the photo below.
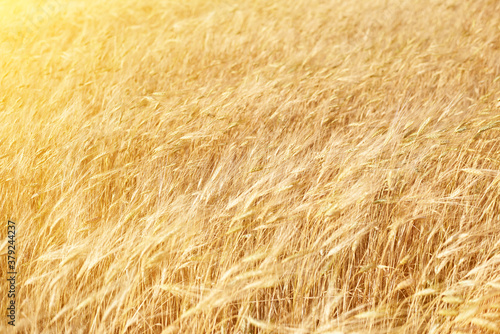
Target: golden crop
[251,166]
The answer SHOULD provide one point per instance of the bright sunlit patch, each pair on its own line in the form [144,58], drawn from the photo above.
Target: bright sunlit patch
[12,9]
[20,17]
[28,12]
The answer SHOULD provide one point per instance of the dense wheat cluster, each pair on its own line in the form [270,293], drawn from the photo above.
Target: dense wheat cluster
[252,166]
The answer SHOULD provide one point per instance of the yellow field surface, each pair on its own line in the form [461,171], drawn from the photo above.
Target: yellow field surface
[252,166]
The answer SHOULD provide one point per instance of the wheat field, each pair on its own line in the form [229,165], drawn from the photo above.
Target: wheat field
[251,166]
